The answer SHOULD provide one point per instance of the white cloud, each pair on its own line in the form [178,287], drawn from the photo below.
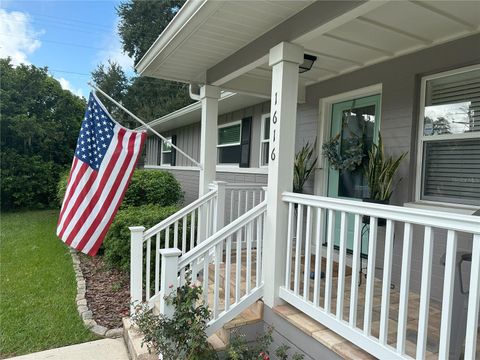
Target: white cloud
[67,86]
[113,51]
[18,39]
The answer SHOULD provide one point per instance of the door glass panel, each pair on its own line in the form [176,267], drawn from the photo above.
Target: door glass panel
[357,128]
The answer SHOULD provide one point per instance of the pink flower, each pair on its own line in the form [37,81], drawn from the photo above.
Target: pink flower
[170,286]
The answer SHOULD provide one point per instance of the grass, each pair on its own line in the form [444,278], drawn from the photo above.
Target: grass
[37,286]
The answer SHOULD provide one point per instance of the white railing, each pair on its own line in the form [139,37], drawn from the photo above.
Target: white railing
[183,230]
[230,276]
[240,198]
[315,223]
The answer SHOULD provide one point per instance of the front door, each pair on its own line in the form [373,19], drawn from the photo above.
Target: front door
[354,121]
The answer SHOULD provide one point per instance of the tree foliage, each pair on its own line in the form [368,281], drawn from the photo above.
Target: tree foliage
[39,128]
[141,22]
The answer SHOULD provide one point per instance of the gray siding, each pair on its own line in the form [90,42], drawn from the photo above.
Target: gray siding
[400,79]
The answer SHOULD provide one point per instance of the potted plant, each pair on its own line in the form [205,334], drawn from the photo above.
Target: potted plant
[303,166]
[380,170]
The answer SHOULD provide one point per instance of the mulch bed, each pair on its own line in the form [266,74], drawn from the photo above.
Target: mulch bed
[108,293]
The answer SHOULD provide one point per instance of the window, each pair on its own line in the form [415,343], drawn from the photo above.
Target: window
[265,140]
[166,154]
[449,153]
[229,149]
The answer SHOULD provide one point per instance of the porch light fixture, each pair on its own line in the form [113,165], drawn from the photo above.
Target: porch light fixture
[307,64]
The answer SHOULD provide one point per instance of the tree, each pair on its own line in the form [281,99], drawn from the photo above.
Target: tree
[141,22]
[112,80]
[39,128]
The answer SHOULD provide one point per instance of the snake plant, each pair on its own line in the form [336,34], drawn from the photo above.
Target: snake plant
[380,172]
[303,166]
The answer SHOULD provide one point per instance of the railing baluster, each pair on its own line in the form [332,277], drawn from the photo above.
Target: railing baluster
[184,234]
[329,264]
[387,278]
[206,264]
[425,293]
[341,264]
[246,201]
[308,239]
[192,229]
[298,249]
[318,258]
[404,288]
[216,292]
[167,237]
[372,250]
[258,256]
[288,266]
[175,235]
[239,199]
[206,225]
[238,267]
[231,205]
[228,266]
[147,269]
[447,303]
[157,263]
[357,253]
[473,301]
[248,277]
[254,200]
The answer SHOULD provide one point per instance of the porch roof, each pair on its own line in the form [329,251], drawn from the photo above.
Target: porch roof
[226,43]
[190,114]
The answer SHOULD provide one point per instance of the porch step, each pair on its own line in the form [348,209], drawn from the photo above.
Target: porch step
[220,340]
[317,331]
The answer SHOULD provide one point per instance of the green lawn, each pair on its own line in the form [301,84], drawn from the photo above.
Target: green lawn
[37,286]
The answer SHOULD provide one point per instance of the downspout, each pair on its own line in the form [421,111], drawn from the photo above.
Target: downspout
[194,91]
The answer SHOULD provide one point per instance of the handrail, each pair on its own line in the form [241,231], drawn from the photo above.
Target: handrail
[216,238]
[178,215]
[252,186]
[458,222]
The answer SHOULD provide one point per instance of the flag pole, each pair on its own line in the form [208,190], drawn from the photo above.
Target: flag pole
[145,124]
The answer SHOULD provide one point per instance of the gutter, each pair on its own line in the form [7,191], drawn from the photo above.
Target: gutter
[192,14]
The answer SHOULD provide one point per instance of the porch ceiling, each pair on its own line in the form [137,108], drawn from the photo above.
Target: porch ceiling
[356,37]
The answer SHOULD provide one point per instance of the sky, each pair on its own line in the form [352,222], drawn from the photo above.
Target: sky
[69,37]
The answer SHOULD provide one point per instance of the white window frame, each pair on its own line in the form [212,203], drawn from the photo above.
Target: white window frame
[262,140]
[166,151]
[233,123]
[422,138]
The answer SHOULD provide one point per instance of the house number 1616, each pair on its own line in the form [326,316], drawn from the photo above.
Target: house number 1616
[273,155]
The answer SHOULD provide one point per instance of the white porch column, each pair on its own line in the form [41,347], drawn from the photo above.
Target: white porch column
[284,59]
[209,96]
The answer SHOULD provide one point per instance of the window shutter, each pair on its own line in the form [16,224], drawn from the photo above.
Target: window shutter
[245,142]
[452,171]
[173,158]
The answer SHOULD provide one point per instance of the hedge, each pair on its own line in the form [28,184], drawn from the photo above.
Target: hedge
[117,242]
[146,187]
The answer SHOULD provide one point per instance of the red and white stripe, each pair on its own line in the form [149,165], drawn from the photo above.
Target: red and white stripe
[93,197]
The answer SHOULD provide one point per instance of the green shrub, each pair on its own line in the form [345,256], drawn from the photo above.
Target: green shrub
[117,242]
[183,335]
[146,187]
[62,186]
[27,181]
[153,187]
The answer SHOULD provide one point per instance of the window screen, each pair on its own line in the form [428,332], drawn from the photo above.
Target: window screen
[451,138]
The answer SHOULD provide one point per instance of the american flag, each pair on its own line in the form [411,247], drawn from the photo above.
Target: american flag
[104,161]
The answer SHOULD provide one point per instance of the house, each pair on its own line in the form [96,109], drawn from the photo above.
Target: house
[393,281]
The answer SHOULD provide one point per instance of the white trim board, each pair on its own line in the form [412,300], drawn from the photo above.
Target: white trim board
[324,124]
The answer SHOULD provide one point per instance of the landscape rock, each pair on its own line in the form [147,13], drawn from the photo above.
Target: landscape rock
[114,333]
[99,330]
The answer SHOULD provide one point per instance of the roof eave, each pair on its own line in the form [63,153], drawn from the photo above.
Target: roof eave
[192,14]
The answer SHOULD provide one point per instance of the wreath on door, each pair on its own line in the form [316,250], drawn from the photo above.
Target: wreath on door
[351,156]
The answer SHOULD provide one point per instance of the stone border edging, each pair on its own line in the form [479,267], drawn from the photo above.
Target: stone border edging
[82,306]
